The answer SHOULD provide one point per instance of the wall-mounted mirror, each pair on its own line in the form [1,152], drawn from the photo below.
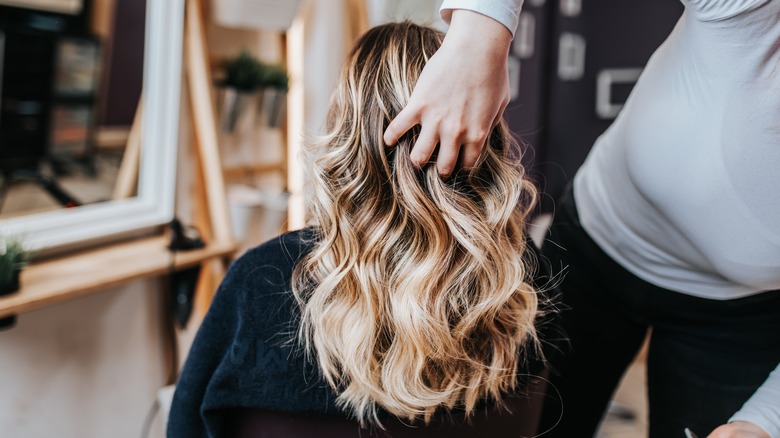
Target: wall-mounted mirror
[82,155]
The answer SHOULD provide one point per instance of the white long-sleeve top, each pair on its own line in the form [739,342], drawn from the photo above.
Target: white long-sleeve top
[683,189]
[506,12]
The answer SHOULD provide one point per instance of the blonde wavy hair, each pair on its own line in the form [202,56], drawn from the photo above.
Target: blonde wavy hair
[415,296]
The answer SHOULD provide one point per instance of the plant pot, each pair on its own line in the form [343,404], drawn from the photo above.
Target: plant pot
[273,107]
[256,215]
[8,289]
[233,107]
[245,205]
[275,214]
[13,286]
[255,14]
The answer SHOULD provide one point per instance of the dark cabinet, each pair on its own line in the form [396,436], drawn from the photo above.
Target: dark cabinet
[577,61]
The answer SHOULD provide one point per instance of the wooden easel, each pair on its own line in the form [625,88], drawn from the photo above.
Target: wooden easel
[211,210]
[210,206]
[127,177]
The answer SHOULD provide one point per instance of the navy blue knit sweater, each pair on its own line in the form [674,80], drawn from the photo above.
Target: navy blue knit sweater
[244,355]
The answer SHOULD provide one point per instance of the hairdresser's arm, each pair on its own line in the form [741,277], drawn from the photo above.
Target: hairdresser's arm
[461,94]
[759,417]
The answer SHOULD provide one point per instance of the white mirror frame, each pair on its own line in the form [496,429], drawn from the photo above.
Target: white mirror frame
[154,202]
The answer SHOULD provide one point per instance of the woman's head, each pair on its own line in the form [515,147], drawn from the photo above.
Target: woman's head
[415,295]
[379,75]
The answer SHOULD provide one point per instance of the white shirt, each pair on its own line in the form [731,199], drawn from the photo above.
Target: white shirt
[683,189]
[506,12]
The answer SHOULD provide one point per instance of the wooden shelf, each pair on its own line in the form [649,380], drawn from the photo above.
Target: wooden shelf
[65,278]
[239,171]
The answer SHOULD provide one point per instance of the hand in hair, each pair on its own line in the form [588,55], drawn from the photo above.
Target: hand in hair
[461,94]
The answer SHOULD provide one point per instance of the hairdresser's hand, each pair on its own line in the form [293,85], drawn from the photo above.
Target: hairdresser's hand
[460,95]
[739,429]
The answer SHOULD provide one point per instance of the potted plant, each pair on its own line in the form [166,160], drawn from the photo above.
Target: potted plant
[13,258]
[275,82]
[243,76]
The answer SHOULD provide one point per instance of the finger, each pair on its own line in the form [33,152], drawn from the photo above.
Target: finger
[500,114]
[469,154]
[449,149]
[404,121]
[424,146]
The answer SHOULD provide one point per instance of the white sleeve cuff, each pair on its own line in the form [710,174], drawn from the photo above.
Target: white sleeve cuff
[759,420]
[763,407]
[506,12]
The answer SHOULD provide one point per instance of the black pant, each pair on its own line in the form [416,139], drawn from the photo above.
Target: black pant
[706,356]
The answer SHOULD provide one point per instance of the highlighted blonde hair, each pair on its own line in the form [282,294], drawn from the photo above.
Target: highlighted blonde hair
[415,296]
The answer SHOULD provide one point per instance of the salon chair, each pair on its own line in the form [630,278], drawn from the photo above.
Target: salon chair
[520,421]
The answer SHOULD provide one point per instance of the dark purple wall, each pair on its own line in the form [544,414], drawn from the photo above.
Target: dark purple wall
[125,74]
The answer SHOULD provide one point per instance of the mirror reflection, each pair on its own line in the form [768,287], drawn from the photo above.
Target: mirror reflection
[71,73]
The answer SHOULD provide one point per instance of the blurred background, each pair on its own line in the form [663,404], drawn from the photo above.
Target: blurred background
[72,76]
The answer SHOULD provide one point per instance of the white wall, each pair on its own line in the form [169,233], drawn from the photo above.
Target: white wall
[85,368]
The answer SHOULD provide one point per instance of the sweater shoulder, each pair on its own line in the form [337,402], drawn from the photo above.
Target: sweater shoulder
[269,266]
[256,294]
